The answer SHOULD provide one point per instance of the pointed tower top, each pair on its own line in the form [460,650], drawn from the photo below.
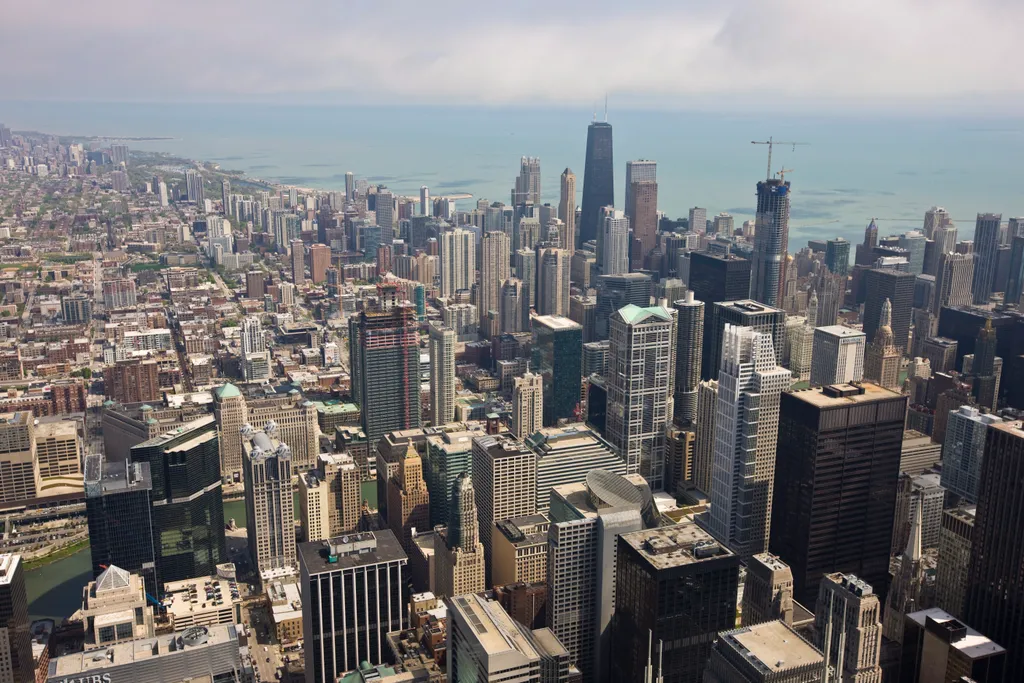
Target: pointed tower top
[812,309]
[913,550]
[886,319]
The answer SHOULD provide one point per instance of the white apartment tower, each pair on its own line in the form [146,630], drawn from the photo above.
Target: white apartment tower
[442,374]
[527,405]
[457,253]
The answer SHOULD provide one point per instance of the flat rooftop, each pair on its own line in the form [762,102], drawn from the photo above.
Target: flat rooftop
[840,331]
[846,394]
[1015,428]
[773,647]
[973,644]
[494,629]
[557,322]
[180,603]
[315,555]
[8,566]
[674,546]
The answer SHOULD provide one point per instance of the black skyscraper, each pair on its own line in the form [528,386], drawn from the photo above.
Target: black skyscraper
[598,179]
[716,278]
[995,593]
[746,313]
[835,483]
[119,508]
[898,288]
[188,509]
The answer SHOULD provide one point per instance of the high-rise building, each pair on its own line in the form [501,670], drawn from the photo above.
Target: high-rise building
[329,497]
[997,548]
[504,475]
[689,351]
[76,309]
[516,654]
[1015,281]
[365,569]
[767,591]
[460,558]
[298,261]
[749,386]
[616,291]
[771,239]
[837,256]
[16,666]
[743,313]
[442,374]
[913,243]
[552,282]
[350,187]
[558,359]
[613,242]
[384,210]
[255,284]
[643,218]
[704,441]
[769,651]
[494,270]
[848,627]
[408,499]
[908,584]
[269,505]
[641,379]
[837,356]
[231,412]
[898,288]
[384,356]
[457,253]
[638,171]
[837,440]
[702,577]
[565,455]
[586,520]
[426,208]
[527,187]
[598,180]
[119,508]
[524,266]
[134,380]
[513,307]
[937,647]
[527,405]
[319,262]
[882,356]
[954,559]
[567,210]
[963,450]
[986,251]
[188,509]
[119,293]
[953,281]
[194,187]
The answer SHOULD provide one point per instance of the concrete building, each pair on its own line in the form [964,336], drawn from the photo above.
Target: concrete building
[641,379]
[642,195]
[527,405]
[298,262]
[495,269]
[767,591]
[769,652]
[459,560]
[704,441]
[684,561]
[553,282]
[882,356]
[848,628]
[329,497]
[408,498]
[838,355]
[16,666]
[567,209]
[638,171]
[442,374]
[743,313]
[938,648]
[269,505]
[219,603]
[319,262]
[337,639]
[953,281]
[565,455]
[504,473]
[58,456]
[963,449]
[613,247]
[750,385]
[232,413]
[115,609]
[689,352]
[954,559]
[558,359]
[520,550]
[457,254]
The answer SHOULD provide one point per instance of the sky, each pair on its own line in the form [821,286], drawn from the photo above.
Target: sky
[890,55]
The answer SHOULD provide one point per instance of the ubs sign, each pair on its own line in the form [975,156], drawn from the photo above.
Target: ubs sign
[95,678]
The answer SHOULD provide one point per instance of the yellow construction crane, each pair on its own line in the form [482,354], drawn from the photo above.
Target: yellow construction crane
[771,142]
[783,171]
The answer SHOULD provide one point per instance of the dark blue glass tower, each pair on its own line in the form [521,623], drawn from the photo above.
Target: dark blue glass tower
[598,179]
[771,239]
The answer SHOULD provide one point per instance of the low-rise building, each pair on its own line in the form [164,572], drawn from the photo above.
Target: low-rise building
[203,602]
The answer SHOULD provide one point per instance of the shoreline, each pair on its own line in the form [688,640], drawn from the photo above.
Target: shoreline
[59,554]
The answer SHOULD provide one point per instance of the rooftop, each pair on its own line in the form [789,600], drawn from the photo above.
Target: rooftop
[495,630]
[556,322]
[674,546]
[358,550]
[8,566]
[839,331]
[773,647]
[1015,428]
[971,643]
[836,395]
[633,314]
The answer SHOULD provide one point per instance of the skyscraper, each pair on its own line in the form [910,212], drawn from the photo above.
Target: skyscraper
[365,569]
[320,261]
[298,261]
[567,209]
[408,498]
[558,359]
[329,497]
[641,379]
[552,282]
[16,666]
[504,475]
[838,355]
[848,627]
[749,386]
[494,270]
[643,221]
[384,210]
[994,589]
[771,240]
[743,313]
[527,187]
[442,374]
[513,307]
[616,291]
[598,179]
[188,508]
[767,590]
[882,357]
[119,509]
[1015,281]
[768,651]
[527,405]
[702,576]
[689,350]
[898,288]
[953,281]
[231,411]
[194,186]
[460,560]
[837,256]
[641,170]
[613,242]
[838,442]
[704,441]
[986,250]
[350,187]
[955,551]
[457,254]
[384,356]
[425,207]
[269,505]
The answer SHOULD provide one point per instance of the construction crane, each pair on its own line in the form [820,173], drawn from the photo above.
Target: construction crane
[782,173]
[771,142]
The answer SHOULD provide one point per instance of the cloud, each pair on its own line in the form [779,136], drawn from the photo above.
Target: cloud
[786,54]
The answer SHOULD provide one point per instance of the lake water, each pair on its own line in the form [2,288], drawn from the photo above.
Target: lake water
[54,591]
[854,167]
